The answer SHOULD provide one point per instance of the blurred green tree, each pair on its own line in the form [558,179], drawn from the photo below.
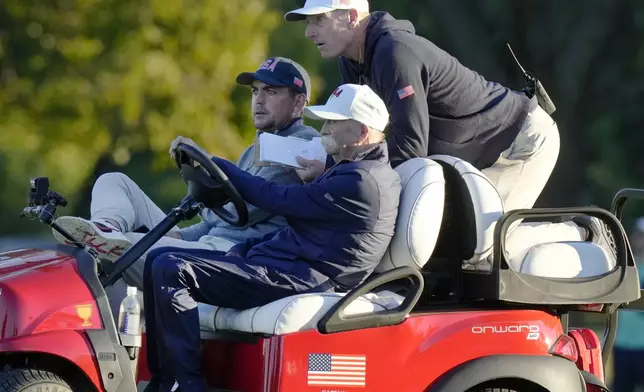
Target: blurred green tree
[85,85]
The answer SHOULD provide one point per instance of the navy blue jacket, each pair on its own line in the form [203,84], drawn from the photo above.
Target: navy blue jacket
[339,225]
[436,105]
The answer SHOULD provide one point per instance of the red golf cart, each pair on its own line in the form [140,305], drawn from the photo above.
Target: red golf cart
[446,311]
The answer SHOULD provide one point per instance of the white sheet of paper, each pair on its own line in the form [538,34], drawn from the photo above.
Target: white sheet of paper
[283,150]
[314,150]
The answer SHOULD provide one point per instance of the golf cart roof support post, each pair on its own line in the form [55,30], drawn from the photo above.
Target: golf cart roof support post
[609,335]
[620,198]
[617,208]
[565,321]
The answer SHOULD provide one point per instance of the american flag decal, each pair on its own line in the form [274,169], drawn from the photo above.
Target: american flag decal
[337,370]
[405,92]
[297,81]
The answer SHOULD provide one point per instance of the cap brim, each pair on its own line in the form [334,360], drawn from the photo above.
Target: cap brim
[247,78]
[321,112]
[302,13]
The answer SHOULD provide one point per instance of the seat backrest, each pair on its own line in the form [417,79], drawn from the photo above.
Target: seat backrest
[473,207]
[419,215]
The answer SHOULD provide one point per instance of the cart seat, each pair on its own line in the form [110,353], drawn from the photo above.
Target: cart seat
[416,233]
[473,209]
[299,312]
[564,260]
[447,208]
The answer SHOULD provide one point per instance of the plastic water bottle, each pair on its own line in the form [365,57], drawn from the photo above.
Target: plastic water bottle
[129,324]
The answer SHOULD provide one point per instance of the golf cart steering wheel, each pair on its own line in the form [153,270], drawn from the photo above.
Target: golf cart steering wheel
[208,184]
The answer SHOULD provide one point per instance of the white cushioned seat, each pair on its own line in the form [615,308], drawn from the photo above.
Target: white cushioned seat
[291,314]
[422,205]
[566,258]
[417,228]
[419,215]
[487,208]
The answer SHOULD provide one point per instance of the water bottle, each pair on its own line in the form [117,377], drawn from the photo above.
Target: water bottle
[129,324]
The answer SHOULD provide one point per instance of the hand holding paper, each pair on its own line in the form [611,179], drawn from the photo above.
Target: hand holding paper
[311,168]
[273,149]
[314,150]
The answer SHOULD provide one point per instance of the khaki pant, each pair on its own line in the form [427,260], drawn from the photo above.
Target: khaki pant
[520,174]
[522,171]
[116,197]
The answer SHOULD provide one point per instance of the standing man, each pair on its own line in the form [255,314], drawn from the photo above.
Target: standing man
[438,106]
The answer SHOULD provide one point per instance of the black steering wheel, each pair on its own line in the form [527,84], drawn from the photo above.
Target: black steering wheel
[208,184]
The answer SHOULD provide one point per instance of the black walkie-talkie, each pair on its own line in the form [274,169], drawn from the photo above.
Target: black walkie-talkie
[38,191]
[534,87]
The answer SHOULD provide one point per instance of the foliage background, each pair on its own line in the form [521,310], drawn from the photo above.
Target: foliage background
[92,86]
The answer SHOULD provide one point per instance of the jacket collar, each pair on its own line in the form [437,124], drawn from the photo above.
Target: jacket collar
[287,129]
[372,35]
[378,152]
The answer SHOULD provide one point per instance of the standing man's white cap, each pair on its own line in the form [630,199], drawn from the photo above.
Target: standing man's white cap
[352,102]
[316,7]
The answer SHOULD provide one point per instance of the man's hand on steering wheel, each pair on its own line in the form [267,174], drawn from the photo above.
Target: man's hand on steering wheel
[177,141]
[207,183]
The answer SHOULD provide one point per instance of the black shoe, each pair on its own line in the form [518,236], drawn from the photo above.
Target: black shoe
[598,233]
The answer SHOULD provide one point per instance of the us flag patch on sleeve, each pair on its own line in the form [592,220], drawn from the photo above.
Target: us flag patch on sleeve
[405,92]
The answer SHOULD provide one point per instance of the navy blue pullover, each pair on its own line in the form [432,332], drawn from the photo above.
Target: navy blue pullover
[339,225]
[436,105]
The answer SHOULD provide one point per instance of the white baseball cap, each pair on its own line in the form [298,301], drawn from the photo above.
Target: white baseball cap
[352,102]
[316,7]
